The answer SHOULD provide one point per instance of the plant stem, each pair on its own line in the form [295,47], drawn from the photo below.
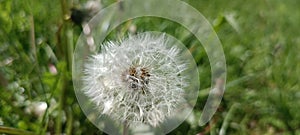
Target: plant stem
[14,131]
[32,37]
[228,117]
[69,121]
[125,128]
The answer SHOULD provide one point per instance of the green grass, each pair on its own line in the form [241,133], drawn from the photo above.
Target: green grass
[261,42]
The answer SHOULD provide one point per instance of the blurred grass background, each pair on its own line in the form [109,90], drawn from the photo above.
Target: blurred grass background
[261,42]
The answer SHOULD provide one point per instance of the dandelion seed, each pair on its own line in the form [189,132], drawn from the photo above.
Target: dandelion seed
[136,80]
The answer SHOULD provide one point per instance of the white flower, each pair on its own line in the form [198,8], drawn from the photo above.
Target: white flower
[139,79]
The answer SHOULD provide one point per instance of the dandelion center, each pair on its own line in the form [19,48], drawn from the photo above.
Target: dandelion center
[137,78]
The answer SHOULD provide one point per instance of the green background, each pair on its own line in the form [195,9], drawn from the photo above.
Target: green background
[261,42]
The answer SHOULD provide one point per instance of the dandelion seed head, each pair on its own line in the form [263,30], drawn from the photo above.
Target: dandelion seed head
[139,79]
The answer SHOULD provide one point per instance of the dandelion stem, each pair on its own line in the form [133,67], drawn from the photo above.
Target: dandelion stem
[125,128]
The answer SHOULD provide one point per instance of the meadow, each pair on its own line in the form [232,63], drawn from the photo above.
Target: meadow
[260,39]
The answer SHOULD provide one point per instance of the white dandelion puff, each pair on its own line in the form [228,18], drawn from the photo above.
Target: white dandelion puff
[139,79]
